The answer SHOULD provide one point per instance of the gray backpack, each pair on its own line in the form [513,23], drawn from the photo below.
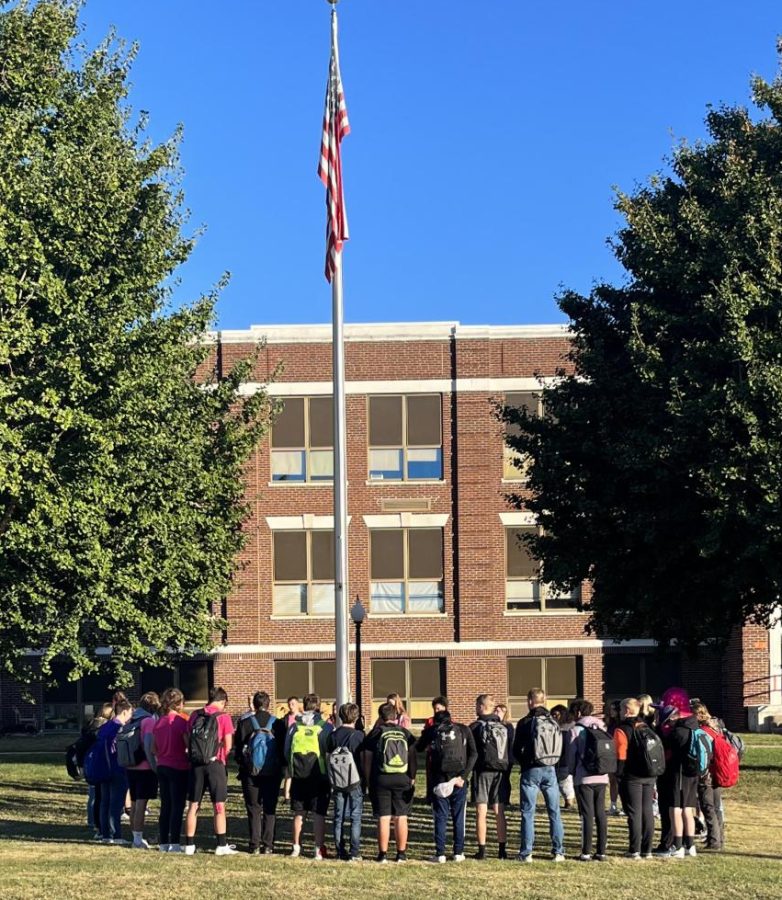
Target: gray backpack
[342,770]
[546,741]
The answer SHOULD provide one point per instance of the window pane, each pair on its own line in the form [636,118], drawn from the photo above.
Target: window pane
[661,672]
[385,465]
[288,465]
[524,673]
[560,600]
[321,465]
[291,678]
[289,599]
[97,688]
[194,681]
[290,556]
[387,559]
[388,677]
[288,427]
[322,600]
[425,597]
[425,553]
[527,401]
[385,422]
[156,678]
[321,422]
[387,597]
[519,562]
[426,679]
[522,594]
[324,678]
[561,677]
[426,464]
[514,467]
[64,691]
[424,421]
[322,555]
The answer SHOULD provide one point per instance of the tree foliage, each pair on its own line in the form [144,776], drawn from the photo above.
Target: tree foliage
[656,470]
[121,488]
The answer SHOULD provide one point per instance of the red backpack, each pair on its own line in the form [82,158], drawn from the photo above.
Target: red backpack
[724,766]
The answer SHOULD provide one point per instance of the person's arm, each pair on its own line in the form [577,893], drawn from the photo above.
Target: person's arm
[426,737]
[149,749]
[228,735]
[412,759]
[288,739]
[472,752]
[518,742]
[620,741]
[571,755]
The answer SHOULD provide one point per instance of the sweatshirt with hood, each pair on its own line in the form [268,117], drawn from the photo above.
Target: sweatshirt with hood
[576,746]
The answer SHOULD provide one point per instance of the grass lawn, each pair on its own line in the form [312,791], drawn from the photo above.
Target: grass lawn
[45,851]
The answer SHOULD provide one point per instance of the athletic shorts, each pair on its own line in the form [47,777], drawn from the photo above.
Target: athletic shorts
[490,788]
[392,799]
[310,795]
[212,777]
[686,792]
[142,784]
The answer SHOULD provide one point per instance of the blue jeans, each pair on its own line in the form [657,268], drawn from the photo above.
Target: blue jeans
[348,806]
[90,805]
[112,802]
[543,779]
[454,807]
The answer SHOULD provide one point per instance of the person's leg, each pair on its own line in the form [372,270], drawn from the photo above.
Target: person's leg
[688,826]
[481,809]
[195,791]
[178,787]
[613,784]
[566,789]
[528,789]
[105,810]
[191,821]
[677,826]
[401,833]
[319,830]
[586,812]
[251,797]
[502,823]
[631,794]
[270,793]
[647,819]
[117,790]
[709,808]
[383,833]
[298,824]
[96,809]
[599,802]
[356,804]
[665,802]
[340,810]
[440,810]
[458,806]
[164,820]
[550,789]
[90,805]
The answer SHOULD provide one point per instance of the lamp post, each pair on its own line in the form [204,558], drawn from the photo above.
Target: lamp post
[358,614]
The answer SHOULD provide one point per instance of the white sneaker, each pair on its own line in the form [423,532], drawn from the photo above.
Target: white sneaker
[525,859]
[678,854]
[119,842]
[174,848]
[692,851]
[124,817]
[458,857]
[189,849]
[141,845]
[226,850]
[558,857]
[437,859]
[295,850]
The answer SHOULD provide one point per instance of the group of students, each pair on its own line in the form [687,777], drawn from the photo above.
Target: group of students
[672,755]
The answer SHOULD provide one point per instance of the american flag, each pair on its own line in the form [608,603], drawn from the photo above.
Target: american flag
[335,127]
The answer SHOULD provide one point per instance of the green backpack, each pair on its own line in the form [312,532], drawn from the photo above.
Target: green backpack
[393,752]
[305,755]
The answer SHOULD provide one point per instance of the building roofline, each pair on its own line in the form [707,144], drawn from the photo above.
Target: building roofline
[385,331]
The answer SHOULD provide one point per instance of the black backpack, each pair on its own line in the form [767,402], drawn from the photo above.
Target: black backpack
[599,756]
[203,742]
[75,753]
[494,743]
[645,753]
[449,749]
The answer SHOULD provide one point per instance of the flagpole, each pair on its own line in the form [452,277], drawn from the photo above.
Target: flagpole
[342,658]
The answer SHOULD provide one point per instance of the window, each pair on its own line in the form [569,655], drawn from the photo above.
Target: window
[631,674]
[524,588]
[416,681]
[405,438]
[303,573]
[61,710]
[194,677]
[559,676]
[406,570]
[514,467]
[297,677]
[302,440]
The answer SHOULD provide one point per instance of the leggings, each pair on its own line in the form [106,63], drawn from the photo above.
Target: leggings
[592,809]
[173,790]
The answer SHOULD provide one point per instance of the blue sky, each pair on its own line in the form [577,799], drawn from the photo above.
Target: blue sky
[486,138]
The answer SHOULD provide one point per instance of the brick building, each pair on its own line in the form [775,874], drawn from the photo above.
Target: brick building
[454,604]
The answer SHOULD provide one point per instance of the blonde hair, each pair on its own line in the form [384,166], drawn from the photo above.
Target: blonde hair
[701,712]
[536,695]
[398,705]
[505,717]
[645,701]
[630,706]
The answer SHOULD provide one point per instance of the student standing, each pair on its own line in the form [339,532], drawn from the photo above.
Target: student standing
[491,776]
[261,788]
[305,751]
[142,779]
[113,791]
[89,734]
[537,747]
[210,738]
[684,770]
[169,747]
[294,711]
[709,795]
[344,746]
[590,788]
[452,760]
[636,781]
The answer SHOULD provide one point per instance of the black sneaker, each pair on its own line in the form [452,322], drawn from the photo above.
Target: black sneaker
[481,854]
[502,854]
[381,858]
[401,856]
[254,851]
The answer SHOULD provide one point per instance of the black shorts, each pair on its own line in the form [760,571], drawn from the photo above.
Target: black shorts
[685,791]
[490,788]
[310,795]
[213,776]
[392,798]
[142,784]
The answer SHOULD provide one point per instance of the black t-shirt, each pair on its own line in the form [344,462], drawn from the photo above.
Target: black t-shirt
[371,745]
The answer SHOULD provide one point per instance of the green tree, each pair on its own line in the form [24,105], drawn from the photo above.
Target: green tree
[121,451]
[656,470]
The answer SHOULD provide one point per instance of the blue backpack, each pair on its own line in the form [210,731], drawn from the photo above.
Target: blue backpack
[700,751]
[97,765]
[259,753]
